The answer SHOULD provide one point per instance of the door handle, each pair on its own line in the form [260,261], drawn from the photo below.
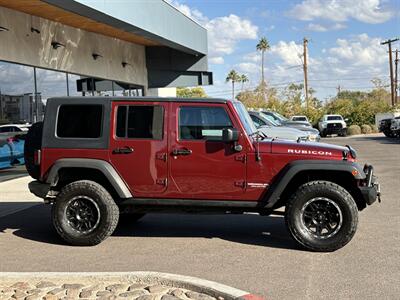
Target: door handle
[124,150]
[183,151]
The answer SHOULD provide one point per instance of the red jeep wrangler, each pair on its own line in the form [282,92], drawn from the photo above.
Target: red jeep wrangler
[97,158]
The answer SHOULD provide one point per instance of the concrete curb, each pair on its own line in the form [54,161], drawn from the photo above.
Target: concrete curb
[179,281]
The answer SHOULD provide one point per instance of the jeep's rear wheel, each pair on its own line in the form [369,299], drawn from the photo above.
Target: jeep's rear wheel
[321,216]
[84,213]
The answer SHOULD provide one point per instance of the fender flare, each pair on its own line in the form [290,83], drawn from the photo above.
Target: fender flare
[283,178]
[103,166]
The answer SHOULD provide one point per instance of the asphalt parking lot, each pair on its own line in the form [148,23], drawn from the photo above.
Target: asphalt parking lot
[248,252]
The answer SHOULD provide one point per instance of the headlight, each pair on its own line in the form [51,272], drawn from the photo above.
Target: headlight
[323,124]
[313,137]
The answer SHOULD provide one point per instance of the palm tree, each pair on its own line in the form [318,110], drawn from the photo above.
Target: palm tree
[263,45]
[243,79]
[234,77]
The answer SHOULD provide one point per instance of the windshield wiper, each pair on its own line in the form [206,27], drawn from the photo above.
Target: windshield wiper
[258,134]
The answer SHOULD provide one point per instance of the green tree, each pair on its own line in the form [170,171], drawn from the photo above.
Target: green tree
[243,79]
[196,92]
[263,45]
[233,76]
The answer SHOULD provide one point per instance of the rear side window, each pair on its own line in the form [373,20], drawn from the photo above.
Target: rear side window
[79,121]
[203,123]
[299,119]
[140,122]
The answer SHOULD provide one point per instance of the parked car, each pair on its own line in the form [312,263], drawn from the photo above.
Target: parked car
[395,127]
[299,119]
[312,133]
[332,124]
[274,130]
[96,158]
[11,151]
[15,128]
[384,126]
[285,121]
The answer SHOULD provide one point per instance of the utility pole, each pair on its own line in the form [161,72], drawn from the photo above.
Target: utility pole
[396,74]
[389,42]
[305,42]
[338,89]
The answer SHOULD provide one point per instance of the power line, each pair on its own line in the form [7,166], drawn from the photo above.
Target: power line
[389,43]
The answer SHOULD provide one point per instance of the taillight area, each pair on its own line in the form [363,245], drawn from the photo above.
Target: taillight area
[37,157]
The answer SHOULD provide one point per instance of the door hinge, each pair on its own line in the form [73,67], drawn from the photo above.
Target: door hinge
[240,184]
[162,181]
[241,158]
[161,156]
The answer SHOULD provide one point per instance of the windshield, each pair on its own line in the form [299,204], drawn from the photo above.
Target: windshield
[335,118]
[280,117]
[245,118]
[271,119]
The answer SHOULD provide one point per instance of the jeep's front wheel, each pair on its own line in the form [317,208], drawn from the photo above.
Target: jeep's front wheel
[84,213]
[321,216]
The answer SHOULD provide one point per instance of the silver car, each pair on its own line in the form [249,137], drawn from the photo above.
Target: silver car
[272,130]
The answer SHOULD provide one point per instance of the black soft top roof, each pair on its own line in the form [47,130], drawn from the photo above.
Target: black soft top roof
[139,99]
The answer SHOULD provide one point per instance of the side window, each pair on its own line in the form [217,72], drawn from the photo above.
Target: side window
[6,129]
[140,122]
[79,121]
[202,123]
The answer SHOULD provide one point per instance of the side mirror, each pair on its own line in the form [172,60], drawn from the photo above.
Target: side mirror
[230,135]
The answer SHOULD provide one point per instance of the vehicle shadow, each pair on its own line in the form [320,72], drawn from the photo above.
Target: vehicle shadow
[34,224]
[380,139]
[376,138]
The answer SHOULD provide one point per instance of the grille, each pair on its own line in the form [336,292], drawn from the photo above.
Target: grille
[334,126]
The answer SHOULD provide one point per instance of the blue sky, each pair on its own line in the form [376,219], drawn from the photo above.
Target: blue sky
[344,47]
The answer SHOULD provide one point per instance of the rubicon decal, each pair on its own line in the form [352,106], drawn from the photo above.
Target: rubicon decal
[310,152]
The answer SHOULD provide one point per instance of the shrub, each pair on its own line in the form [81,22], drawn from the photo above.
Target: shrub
[365,129]
[353,129]
[374,129]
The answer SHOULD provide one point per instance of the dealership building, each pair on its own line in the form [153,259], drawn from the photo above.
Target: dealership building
[105,47]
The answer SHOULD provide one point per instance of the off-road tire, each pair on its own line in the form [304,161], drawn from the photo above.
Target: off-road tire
[389,134]
[108,217]
[333,192]
[33,142]
[343,132]
[323,133]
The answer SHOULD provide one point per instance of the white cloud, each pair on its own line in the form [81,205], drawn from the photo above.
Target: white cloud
[224,33]
[360,51]
[249,68]
[352,62]
[217,60]
[316,27]
[322,28]
[289,52]
[254,57]
[367,11]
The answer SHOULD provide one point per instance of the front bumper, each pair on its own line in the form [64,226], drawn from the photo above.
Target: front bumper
[371,190]
[39,189]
